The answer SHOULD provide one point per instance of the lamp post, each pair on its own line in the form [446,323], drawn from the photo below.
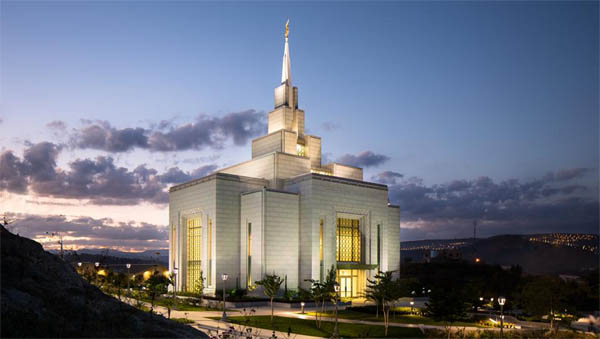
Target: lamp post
[412,304]
[336,287]
[302,305]
[128,276]
[97,264]
[175,270]
[224,276]
[501,301]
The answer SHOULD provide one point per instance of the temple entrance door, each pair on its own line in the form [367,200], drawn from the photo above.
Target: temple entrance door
[345,287]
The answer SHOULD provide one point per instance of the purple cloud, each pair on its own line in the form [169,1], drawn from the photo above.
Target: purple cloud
[206,131]
[363,159]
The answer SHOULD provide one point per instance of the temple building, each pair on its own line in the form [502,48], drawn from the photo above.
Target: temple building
[282,212]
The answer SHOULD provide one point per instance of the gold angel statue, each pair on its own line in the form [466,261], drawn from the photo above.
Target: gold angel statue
[287,28]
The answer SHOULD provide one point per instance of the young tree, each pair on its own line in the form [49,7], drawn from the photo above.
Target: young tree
[446,304]
[271,285]
[386,291]
[155,286]
[198,287]
[373,293]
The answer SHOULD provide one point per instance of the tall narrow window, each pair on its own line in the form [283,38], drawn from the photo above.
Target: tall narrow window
[249,254]
[194,242]
[348,240]
[300,150]
[321,250]
[379,245]
[209,275]
[173,244]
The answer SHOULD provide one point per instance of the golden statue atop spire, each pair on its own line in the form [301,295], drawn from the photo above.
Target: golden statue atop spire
[287,28]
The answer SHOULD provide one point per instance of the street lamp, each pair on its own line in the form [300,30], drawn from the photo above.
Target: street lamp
[336,287]
[79,264]
[175,270]
[96,264]
[412,304]
[224,276]
[501,301]
[128,276]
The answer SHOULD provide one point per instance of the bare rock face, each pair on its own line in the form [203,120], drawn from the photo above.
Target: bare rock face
[43,296]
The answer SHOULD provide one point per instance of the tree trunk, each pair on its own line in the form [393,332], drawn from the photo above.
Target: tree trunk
[386,319]
[317,313]
[271,309]
[322,311]
[376,310]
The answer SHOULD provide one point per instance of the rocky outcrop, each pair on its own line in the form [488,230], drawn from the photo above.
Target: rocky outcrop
[43,296]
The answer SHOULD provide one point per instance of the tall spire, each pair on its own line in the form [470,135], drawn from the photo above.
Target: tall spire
[286,70]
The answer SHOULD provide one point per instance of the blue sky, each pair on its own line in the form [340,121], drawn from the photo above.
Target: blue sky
[446,90]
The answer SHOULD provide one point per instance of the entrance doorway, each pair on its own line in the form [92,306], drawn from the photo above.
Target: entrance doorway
[352,283]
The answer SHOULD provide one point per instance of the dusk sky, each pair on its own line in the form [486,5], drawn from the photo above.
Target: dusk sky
[483,111]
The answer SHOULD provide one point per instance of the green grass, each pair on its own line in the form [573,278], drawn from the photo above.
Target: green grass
[308,327]
[180,305]
[183,320]
[398,318]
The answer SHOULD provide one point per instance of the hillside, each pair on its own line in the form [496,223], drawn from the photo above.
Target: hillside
[535,257]
[43,296]
[146,257]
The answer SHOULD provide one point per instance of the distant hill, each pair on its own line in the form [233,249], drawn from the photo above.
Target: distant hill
[556,253]
[148,256]
[42,296]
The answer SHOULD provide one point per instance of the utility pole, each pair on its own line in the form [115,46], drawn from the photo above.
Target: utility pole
[60,241]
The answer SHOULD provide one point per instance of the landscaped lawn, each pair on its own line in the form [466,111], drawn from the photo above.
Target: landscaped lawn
[183,320]
[308,327]
[181,305]
[398,318]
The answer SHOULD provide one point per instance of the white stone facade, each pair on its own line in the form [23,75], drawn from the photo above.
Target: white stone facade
[282,212]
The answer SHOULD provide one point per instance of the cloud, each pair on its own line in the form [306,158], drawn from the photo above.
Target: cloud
[99,180]
[102,136]
[548,204]
[57,125]
[387,177]
[13,173]
[330,126]
[206,131]
[175,175]
[363,159]
[568,174]
[86,231]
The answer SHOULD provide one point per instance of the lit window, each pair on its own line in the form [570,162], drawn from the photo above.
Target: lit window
[209,275]
[321,250]
[379,246]
[173,244]
[300,150]
[348,240]
[194,242]
[249,254]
